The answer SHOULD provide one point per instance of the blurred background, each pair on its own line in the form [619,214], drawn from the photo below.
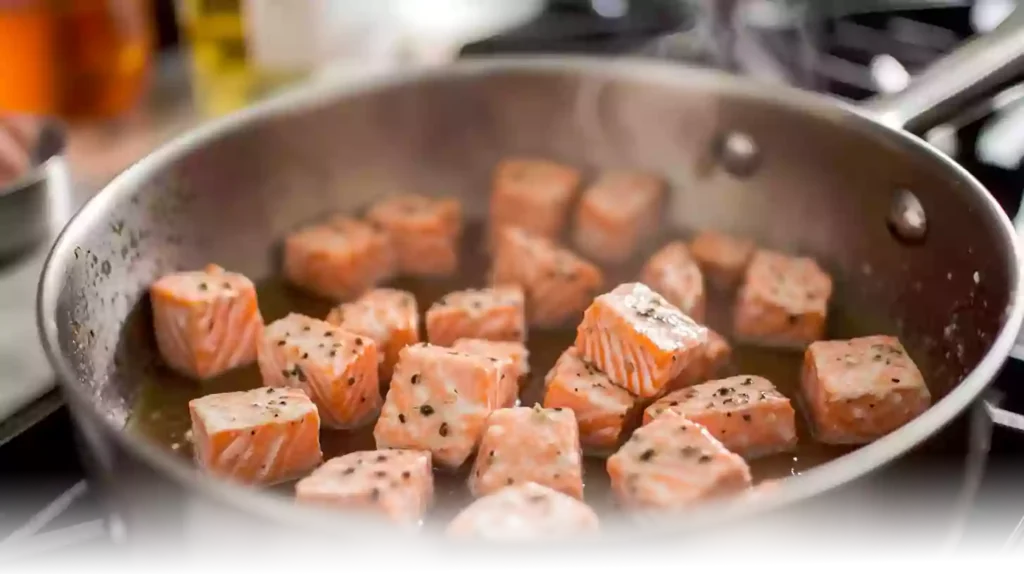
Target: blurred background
[89,86]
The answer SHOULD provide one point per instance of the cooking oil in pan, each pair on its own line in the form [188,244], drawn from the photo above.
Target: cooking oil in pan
[161,410]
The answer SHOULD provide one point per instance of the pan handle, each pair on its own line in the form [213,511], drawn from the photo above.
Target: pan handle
[977,69]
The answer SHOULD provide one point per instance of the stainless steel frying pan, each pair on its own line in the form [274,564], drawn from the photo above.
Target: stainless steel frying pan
[907,232]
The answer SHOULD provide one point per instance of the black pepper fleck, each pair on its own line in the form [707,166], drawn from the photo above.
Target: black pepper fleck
[359,341]
[426,410]
[415,379]
[704,459]
[443,430]
[305,355]
[382,458]
[282,343]
[203,287]
[747,381]
[647,455]
[351,381]
[746,418]
[406,475]
[401,418]
[510,481]
[895,380]
[349,471]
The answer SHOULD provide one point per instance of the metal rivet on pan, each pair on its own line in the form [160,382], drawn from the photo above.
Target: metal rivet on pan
[907,220]
[738,153]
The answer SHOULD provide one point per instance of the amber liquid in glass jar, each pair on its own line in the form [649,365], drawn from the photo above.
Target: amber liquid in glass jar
[76,59]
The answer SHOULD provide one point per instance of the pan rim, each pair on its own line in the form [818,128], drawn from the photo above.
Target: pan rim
[810,484]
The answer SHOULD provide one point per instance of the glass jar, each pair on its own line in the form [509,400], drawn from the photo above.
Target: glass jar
[74,59]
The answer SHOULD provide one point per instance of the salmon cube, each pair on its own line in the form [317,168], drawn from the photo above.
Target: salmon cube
[206,322]
[532,194]
[439,401]
[746,413]
[639,339]
[673,463]
[557,283]
[713,361]
[859,390]
[723,258]
[496,314]
[604,411]
[261,437]
[524,512]
[516,363]
[529,444]
[617,214]
[783,302]
[424,232]
[396,484]
[674,274]
[388,316]
[338,260]
[336,368]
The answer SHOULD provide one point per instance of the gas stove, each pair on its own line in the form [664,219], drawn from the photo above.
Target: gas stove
[974,464]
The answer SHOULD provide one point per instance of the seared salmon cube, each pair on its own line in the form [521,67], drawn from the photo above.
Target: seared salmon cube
[723,258]
[674,463]
[338,260]
[524,512]
[713,361]
[604,411]
[439,401]
[424,232]
[388,316]
[396,484]
[532,194]
[205,322]
[529,444]
[516,363]
[859,390]
[336,368]
[783,302]
[746,413]
[558,284]
[674,274]
[617,214]
[260,437]
[639,339]
[497,314]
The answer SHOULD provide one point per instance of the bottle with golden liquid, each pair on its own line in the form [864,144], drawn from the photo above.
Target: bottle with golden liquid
[80,60]
[242,50]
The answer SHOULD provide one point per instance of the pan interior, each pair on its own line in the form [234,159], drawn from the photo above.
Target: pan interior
[822,188]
